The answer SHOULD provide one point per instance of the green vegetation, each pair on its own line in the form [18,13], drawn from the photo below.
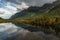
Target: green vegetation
[46,19]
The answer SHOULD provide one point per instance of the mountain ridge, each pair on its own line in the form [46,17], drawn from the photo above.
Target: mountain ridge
[34,10]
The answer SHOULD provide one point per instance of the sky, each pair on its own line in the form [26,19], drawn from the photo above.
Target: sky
[11,7]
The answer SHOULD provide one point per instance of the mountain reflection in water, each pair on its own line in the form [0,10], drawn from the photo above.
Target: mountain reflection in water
[9,31]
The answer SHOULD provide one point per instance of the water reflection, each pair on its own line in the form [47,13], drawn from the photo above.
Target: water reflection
[7,29]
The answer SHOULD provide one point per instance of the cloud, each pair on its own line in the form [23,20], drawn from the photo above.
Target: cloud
[22,6]
[10,7]
[6,13]
[33,2]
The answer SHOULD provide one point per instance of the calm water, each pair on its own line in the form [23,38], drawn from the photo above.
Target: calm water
[11,30]
[7,29]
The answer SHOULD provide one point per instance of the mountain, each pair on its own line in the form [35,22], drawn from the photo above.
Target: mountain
[46,18]
[47,9]
[30,11]
[24,12]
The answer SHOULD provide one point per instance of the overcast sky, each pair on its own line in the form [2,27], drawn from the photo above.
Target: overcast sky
[32,2]
[10,7]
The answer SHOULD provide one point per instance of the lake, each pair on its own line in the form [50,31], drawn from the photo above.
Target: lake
[7,29]
[10,30]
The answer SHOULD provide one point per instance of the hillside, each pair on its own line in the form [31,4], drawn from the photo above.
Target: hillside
[46,10]
[46,18]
